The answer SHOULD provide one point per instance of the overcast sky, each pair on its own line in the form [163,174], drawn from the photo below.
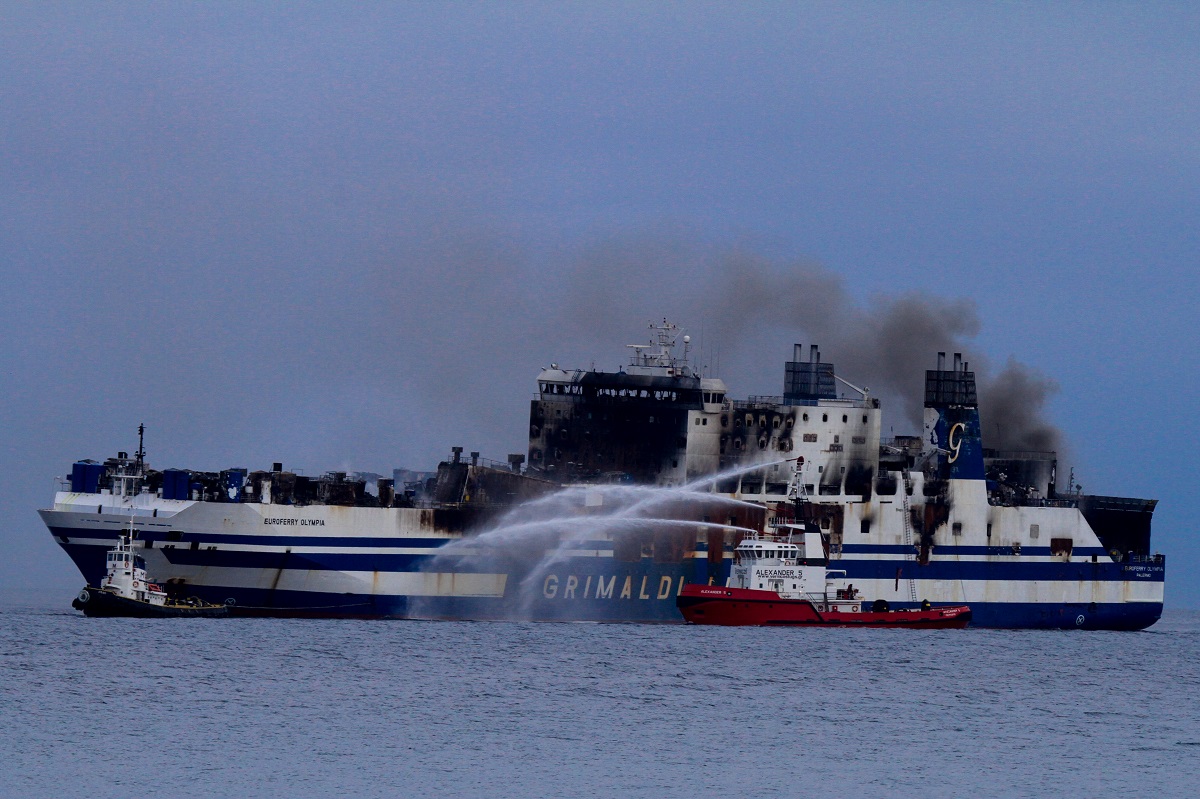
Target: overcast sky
[349,235]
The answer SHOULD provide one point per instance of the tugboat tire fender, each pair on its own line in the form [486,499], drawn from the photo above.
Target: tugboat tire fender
[84,596]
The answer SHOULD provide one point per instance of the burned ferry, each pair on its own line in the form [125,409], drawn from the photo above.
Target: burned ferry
[636,483]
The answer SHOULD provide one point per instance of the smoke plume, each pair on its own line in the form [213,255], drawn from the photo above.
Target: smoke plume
[751,308]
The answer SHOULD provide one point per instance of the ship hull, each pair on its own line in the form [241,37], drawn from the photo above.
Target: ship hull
[743,607]
[223,553]
[96,602]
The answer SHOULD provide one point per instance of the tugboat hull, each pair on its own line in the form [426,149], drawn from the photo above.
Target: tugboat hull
[744,607]
[96,602]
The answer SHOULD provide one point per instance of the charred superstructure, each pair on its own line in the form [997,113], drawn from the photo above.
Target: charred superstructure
[932,518]
[836,438]
[633,425]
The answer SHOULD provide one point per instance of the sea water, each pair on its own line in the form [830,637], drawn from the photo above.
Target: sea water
[284,708]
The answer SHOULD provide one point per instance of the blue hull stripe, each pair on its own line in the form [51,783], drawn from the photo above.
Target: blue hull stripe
[999,570]
[855,569]
[159,537]
[952,549]
[90,559]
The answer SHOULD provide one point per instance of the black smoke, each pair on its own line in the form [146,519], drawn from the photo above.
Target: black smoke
[745,309]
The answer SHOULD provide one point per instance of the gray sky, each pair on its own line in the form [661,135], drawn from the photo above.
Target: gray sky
[348,236]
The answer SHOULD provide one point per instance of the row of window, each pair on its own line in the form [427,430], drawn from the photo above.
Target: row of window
[776,420]
[623,393]
[956,529]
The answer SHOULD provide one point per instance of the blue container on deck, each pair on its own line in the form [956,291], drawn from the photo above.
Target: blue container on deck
[78,472]
[86,476]
[175,484]
[233,484]
[95,474]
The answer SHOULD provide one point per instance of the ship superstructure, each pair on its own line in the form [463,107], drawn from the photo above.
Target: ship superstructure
[932,517]
[654,421]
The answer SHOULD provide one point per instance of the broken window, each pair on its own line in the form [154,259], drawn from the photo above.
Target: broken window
[1061,546]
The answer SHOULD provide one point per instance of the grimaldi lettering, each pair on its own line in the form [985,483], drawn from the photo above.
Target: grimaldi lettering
[606,587]
[294,522]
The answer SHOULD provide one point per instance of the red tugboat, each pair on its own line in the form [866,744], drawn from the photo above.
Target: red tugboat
[778,582]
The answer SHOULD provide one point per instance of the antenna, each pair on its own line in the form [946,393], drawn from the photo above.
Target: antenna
[141,452]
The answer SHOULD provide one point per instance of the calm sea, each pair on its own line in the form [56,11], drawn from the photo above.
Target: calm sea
[272,708]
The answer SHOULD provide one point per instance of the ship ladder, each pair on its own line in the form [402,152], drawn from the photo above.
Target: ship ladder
[910,553]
